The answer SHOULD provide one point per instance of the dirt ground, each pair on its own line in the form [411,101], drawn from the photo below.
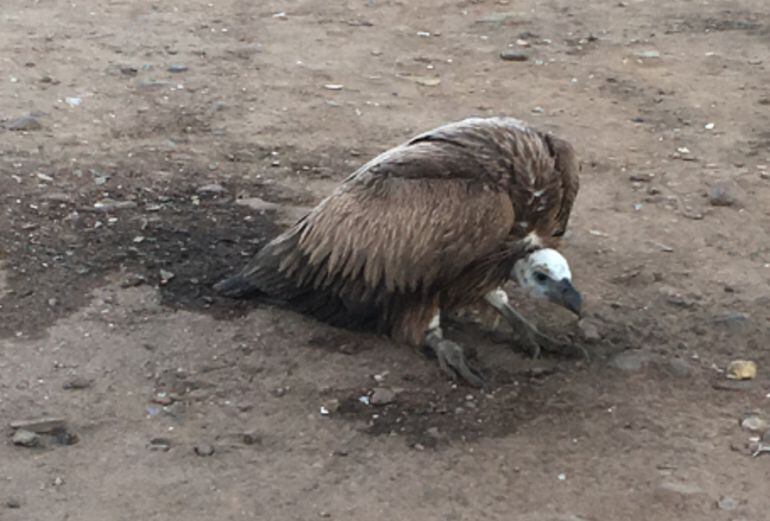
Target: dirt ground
[181,405]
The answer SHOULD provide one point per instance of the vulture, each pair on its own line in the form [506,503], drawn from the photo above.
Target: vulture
[439,222]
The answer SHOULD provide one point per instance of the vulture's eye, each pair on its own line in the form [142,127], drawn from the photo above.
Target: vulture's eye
[540,277]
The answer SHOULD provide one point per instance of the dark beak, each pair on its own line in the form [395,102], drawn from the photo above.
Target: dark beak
[565,294]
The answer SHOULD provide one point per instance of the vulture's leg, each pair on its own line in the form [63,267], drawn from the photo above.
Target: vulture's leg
[535,340]
[451,357]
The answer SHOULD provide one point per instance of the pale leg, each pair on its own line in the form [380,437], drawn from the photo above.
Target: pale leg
[451,357]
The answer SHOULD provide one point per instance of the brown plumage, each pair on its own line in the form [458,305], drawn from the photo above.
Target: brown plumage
[434,223]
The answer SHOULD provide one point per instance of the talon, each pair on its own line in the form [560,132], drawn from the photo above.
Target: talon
[452,361]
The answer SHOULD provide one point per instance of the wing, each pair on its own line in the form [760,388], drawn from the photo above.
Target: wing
[567,166]
[408,222]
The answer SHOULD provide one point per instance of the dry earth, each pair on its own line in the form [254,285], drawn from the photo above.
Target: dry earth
[135,105]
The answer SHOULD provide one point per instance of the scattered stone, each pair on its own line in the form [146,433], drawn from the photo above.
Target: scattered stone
[204,450]
[280,391]
[64,438]
[589,330]
[723,193]
[514,56]
[166,276]
[25,123]
[673,493]
[330,406]
[13,503]
[753,423]
[679,367]
[733,385]
[128,70]
[177,67]
[25,438]
[382,396]
[152,84]
[641,178]
[733,320]
[40,426]
[252,438]
[498,18]
[77,383]
[630,360]
[426,81]
[257,203]
[333,86]
[727,503]
[56,197]
[108,205]
[163,398]
[159,444]
[211,189]
[741,370]
[132,280]
[647,54]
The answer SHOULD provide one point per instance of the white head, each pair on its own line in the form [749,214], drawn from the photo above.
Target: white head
[544,273]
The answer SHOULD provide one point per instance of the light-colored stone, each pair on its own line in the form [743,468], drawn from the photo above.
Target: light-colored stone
[741,370]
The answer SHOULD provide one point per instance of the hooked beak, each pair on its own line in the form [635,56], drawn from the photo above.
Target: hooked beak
[565,294]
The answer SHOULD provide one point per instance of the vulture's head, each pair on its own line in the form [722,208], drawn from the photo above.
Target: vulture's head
[545,273]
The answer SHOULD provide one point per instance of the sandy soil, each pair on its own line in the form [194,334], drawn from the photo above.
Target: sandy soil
[182,405]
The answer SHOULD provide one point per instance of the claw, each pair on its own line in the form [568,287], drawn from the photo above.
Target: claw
[538,342]
[452,361]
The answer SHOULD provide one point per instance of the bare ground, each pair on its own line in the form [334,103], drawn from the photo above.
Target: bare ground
[664,100]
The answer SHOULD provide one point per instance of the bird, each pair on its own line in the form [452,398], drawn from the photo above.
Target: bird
[439,222]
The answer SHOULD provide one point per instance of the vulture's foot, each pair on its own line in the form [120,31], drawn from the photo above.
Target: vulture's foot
[451,359]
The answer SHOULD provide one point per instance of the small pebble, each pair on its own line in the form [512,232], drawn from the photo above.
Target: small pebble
[723,193]
[382,396]
[514,56]
[25,123]
[589,330]
[741,370]
[204,450]
[25,438]
[754,424]
[165,277]
[159,444]
[330,406]
[39,426]
[648,54]
[76,383]
[132,280]
[177,67]
[13,503]
[107,205]
[252,438]
[631,360]
[211,189]
[727,503]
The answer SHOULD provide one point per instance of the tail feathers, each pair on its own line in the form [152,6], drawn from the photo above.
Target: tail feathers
[236,287]
[293,285]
